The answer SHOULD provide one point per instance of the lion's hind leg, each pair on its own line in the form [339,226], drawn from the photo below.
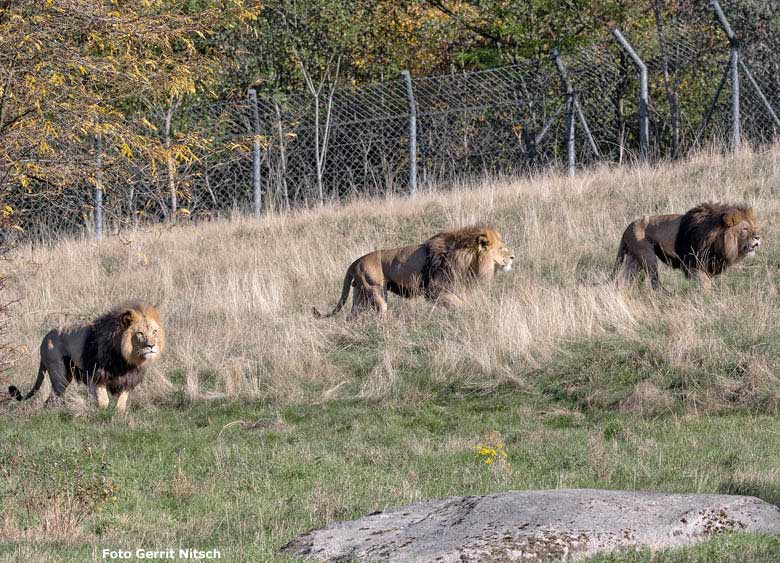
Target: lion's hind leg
[649,263]
[626,271]
[369,289]
[634,257]
[367,297]
[60,376]
[632,261]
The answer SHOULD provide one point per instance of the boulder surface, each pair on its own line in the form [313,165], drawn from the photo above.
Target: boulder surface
[563,524]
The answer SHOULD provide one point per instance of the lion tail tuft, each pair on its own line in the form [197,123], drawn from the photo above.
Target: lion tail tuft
[13,390]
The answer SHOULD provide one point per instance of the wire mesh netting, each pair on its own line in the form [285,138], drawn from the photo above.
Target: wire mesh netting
[275,151]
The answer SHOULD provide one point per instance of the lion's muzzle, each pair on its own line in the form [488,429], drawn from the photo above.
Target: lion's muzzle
[508,266]
[751,246]
[148,351]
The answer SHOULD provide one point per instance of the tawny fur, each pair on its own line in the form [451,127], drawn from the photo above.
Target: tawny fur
[435,269]
[702,242]
[107,354]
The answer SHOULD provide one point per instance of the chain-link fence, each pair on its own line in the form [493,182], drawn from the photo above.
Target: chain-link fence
[582,106]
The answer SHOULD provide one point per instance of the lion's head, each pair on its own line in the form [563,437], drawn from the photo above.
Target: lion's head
[740,236]
[722,234]
[142,338]
[476,251]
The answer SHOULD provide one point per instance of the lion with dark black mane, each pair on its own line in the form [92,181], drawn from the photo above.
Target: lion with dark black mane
[702,242]
[108,354]
[434,269]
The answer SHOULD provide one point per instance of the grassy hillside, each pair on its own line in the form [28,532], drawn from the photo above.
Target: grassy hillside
[261,422]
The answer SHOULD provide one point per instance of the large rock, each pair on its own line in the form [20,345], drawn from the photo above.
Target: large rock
[561,524]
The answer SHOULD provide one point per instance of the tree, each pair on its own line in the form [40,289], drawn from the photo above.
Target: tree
[522,29]
[71,70]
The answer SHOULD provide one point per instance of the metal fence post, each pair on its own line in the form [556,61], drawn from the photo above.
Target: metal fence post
[170,162]
[736,133]
[735,117]
[569,88]
[256,178]
[571,157]
[644,97]
[98,187]
[412,132]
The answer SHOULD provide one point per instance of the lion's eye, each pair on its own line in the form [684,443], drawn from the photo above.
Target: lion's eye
[139,335]
[154,332]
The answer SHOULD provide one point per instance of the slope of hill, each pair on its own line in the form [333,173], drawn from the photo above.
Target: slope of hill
[286,422]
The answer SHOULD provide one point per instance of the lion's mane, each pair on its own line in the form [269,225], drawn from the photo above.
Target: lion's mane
[703,240]
[460,254]
[108,345]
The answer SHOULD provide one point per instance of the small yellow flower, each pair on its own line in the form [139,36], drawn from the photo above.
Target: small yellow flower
[493,450]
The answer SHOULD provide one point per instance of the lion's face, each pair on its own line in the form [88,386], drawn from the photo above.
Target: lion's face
[743,232]
[499,252]
[748,238]
[503,257]
[143,339]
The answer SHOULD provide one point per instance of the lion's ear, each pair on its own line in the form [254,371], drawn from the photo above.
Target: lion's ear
[127,318]
[483,241]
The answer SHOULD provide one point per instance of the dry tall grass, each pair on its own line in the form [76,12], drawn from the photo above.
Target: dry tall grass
[237,296]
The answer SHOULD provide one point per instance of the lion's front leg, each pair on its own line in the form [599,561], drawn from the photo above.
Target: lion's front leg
[101,394]
[704,279]
[442,292]
[449,299]
[121,402]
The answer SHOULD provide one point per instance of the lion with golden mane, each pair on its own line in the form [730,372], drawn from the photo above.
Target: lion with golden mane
[108,354]
[435,269]
[702,242]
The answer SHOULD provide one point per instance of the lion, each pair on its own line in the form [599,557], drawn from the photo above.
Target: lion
[702,243]
[108,354]
[435,269]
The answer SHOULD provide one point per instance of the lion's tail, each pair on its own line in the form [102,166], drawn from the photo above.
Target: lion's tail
[16,394]
[621,255]
[348,278]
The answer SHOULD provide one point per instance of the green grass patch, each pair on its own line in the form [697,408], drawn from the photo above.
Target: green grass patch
[246,478]
[731,548]
[598,374]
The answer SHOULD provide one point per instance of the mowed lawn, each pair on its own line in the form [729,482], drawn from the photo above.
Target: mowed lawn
[260,422]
